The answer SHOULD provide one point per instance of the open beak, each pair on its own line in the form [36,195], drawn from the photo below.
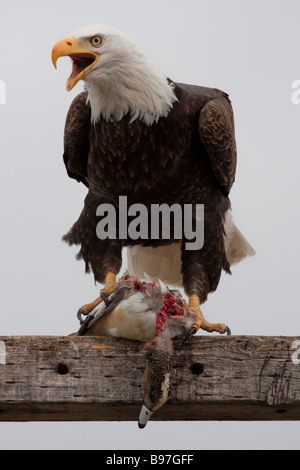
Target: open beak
[144,417]
[82,59]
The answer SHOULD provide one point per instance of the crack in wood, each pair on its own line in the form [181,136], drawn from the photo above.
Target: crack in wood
[215,377]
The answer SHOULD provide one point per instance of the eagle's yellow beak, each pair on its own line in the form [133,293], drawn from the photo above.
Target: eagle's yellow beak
[82,59]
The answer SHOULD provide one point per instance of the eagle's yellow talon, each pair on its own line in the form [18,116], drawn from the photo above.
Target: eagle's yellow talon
[196,327]
[109,287]
[200,322]
[110,284]
[87,308]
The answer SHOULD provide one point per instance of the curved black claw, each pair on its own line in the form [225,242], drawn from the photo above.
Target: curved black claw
[84,325]
[190,333]
[105,298]
[228,331]
[79,316]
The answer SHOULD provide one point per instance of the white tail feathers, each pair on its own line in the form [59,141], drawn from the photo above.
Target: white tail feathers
[236,246]
[164,262]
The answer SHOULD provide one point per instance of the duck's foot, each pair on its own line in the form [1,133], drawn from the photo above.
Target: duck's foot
[200,322]
[109,287]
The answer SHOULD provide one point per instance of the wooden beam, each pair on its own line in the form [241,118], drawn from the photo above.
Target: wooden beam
[98,378]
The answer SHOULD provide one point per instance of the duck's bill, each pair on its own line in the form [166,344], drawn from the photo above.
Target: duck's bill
[144,416]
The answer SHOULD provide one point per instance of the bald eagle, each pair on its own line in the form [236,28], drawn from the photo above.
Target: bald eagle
[134,132]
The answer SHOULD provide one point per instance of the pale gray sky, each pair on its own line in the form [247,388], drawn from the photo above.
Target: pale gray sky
[249,49]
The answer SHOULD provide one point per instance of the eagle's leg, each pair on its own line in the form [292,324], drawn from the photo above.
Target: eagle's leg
[109,287]
[200,322]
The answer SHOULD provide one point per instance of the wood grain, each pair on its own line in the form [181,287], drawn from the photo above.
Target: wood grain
[98,378]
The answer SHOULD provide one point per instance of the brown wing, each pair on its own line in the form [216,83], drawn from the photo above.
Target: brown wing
[76,139]
[216,128]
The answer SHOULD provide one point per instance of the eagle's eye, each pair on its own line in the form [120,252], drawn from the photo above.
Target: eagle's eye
[96,41]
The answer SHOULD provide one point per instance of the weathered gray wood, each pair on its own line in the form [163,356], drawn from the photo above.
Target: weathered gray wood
[96,378]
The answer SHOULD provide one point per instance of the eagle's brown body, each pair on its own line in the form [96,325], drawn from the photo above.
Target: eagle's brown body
[188,157]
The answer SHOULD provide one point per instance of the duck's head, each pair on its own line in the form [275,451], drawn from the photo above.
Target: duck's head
[156,381]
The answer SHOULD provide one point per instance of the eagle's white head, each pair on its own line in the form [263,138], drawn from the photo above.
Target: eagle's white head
[119,77]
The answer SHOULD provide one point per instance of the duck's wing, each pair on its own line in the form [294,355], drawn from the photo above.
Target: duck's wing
[114,299]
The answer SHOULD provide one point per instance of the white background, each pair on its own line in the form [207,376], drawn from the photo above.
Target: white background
[249,49]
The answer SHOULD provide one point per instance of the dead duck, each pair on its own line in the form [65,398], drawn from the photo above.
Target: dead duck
[138,311]
[157,377]
[151,313]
